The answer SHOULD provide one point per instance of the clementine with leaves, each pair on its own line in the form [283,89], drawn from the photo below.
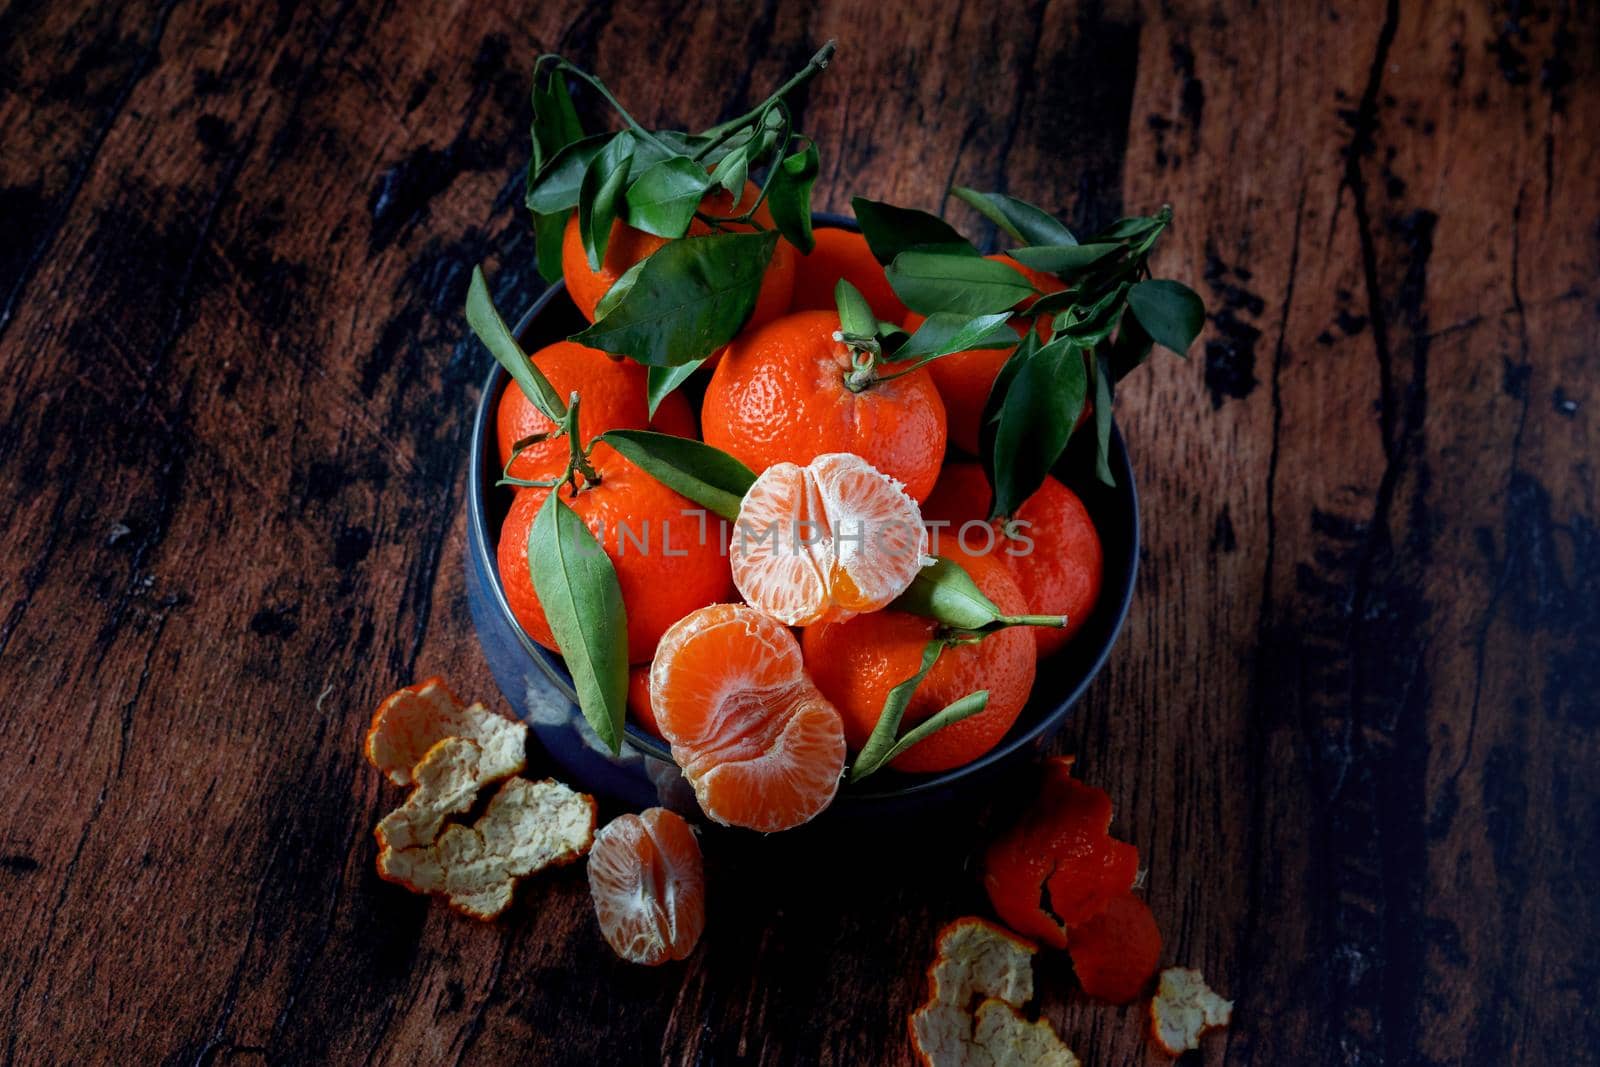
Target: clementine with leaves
[789,392]
[613,399]
[858,661]
[667,563]
[1055,558]
[628,246]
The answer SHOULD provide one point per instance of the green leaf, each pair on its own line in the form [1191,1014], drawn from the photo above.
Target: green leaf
[944,592]
[577,587]
[939,281]
[496,337]
[953,712]
[555,121]
[1063,259]
[619,289]
[1091,324]
[1041,408]
[875,753]
[1134,229]
[601,195]
[1130,349]
[789,196]
[944,333]
[548,233]
[1169,311]
[688,300]
[663,380]
[730,173]
[1102,421]
[890,230]
[706,475]
[663,199]
[1028,224]
[992,404]
[554,189]
[855,314]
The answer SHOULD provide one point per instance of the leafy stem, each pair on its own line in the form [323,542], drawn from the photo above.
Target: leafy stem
[722,131]
[562,64]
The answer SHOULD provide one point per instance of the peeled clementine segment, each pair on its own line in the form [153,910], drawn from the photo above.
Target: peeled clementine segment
[828,540]
[648,883]
[1184,1008]
[755,738]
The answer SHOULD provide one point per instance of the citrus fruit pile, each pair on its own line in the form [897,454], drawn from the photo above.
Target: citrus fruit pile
[799,497]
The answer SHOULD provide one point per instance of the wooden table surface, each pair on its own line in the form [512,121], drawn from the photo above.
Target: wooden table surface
[1351,723]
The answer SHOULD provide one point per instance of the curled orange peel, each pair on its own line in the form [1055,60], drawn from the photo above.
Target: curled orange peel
[411,721]
[1184,1008]
[980,961]
[448,779]
[527,827]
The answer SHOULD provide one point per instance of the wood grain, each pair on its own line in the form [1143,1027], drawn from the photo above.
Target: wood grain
[1351,723]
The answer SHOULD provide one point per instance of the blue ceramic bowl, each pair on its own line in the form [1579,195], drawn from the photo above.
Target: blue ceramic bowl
[538,686]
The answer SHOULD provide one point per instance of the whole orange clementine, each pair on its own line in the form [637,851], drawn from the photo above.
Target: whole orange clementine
[783,393]
[613,398]
[628,246]
[843,254]
[667,563]
[856,662]
[1052,549]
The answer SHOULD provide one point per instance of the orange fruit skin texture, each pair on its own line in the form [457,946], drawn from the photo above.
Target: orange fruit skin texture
[843,254]
[657,588]
[628,246]
[779,396]
[647,880]
[1116,953]
[1061,574]
[856,662]
[644,713]
[1061,847]
[757,741]
[613,398]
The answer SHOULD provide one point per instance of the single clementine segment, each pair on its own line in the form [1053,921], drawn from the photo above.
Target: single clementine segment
[788,392]
[613,394]
[648,883]
[857,661]
[760,745]
[843,254]
[1052,549]
[628,246]
[827,540]
[666,553]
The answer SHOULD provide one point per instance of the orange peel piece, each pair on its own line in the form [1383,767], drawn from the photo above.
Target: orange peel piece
[1010,1040]
[527,827]
[447,783]
[979,960]
[1184,1007]
[411,721]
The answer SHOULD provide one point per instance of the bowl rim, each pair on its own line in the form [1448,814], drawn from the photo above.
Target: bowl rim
[484,555]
